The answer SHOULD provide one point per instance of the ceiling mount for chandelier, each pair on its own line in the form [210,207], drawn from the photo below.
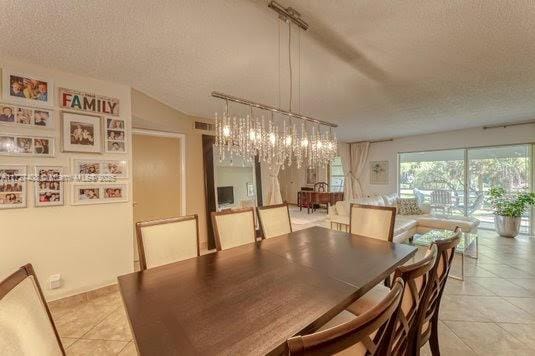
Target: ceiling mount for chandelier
[290,137]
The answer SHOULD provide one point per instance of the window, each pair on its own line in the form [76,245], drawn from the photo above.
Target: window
[336,175]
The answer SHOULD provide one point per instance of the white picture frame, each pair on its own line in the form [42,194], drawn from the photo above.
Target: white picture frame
[27,117]
[49,189]
[379,172]
[81,132]
[13,186]
[115,137]
[94,167]
[27,145]
[27,88]
[89,194]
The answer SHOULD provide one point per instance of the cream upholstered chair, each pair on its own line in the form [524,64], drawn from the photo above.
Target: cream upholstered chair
[233,228]
[166,241]
[274,220]
[26,326]
[372,221]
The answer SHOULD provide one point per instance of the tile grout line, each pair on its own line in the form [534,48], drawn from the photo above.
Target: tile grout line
[125,346]
[462,341]
[96,324]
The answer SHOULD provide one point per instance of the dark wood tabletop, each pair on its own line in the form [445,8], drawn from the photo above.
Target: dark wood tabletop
[250,299]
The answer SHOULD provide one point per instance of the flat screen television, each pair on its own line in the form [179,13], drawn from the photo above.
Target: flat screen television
[225,195]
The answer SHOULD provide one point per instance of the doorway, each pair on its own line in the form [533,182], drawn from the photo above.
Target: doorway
[158,176]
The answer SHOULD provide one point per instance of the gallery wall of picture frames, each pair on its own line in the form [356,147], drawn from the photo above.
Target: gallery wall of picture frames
[89,125]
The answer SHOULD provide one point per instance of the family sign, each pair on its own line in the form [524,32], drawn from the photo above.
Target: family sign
[75,100]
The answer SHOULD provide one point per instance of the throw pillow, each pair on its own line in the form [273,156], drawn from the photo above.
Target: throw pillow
[408,206]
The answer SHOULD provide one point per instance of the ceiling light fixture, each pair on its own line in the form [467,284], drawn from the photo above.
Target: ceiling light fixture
[275,140]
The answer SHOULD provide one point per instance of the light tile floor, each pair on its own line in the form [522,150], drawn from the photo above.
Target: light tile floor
[491,313]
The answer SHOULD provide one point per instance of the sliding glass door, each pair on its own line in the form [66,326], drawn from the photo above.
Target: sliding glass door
[505,166]
[458,181]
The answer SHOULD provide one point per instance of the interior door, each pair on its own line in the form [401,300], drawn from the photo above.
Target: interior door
[156,177]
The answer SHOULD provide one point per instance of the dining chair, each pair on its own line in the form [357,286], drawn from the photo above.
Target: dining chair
[416,277]
[372,221]
[426,326]
[233,228]
[26,325]
[274,220]
[365,334]
[165,241]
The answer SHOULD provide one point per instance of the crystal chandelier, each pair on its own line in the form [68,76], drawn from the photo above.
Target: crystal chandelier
[276,140]
[276,136]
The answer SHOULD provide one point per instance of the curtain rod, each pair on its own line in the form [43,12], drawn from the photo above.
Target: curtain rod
[374,141]
[219,95]
[507,125]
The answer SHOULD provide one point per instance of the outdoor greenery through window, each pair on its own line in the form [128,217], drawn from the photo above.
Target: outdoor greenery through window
[458,181]
[337,175]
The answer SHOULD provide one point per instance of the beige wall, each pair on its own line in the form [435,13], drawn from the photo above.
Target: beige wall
[150,114]
[88,245]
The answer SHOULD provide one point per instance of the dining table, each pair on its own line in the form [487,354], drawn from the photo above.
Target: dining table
[250,299]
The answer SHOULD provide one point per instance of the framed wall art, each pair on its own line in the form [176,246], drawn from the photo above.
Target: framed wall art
[21,116]
[379,172]
[12,186]
[23,145]
[115,135]
[81,133]
[86,194]
[49,190]
[250,189]
[116,168]
[27,89]
[311,175]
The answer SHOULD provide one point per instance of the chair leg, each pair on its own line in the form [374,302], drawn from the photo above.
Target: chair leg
[433,338]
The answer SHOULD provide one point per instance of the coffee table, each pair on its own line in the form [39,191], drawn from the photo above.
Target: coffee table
[468,240]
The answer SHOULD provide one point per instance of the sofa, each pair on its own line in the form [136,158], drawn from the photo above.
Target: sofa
[406,226]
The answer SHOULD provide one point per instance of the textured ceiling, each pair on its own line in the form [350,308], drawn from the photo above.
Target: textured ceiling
[378,68]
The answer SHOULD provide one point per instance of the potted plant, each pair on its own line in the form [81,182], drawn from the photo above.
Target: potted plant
[508,210]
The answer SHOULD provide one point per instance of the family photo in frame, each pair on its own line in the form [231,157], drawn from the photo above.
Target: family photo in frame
[81,133]
[27,89]
[21,116]
[48,188]
[12,186]
[19,145]
[87,194]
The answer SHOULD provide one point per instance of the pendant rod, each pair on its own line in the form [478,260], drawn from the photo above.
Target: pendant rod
[219,95]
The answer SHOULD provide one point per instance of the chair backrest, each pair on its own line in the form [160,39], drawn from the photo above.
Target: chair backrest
[430,303]
[165,241]
[416,277]
[233,228]
[441,197]
[26,326]
[364,335]
[321,187]
[274,220]
[372,221]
